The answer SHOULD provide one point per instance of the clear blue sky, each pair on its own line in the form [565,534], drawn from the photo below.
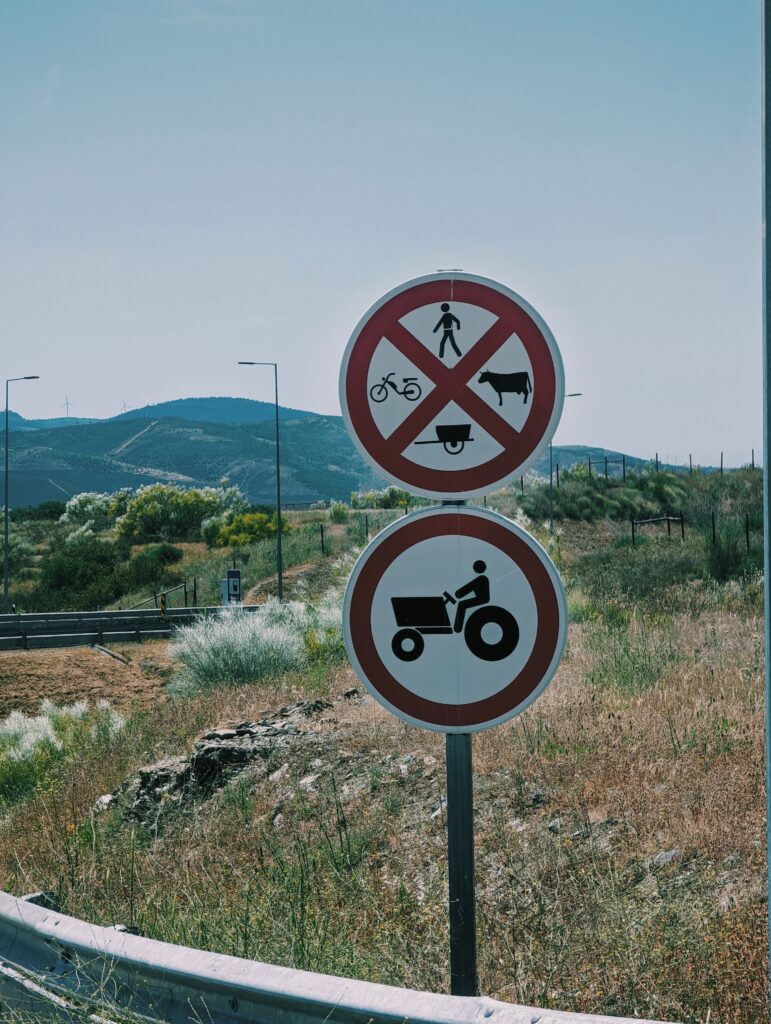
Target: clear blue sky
[186,183]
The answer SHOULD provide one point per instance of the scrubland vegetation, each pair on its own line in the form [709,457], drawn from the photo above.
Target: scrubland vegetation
[619,821]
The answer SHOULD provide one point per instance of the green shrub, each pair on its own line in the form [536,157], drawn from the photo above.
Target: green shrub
[165,512]
[238,647]
[338,512]
[81,574]
[46,510]
[149,567]
[31,746]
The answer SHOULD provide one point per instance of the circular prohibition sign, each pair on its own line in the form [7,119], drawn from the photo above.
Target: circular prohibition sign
[508,316]
[443,653]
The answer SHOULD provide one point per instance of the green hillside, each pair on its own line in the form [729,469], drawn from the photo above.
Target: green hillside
[220,437]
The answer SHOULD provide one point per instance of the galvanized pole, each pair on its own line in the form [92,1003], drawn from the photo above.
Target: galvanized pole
[460,855]
[766,114]
[6,548]
[5,509]
[279,558]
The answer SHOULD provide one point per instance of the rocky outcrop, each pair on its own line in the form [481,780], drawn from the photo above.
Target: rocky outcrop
[217,756]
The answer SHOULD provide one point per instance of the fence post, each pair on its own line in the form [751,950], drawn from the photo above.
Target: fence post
[669,528]
[185,586]
[657,462]
[633,540]
[721,463]
[752,463]
[321,529]
[747,530]
[155,596]
[522,484]
[195,592]
[682,526]
[714,533]
[590,467]
[690,463]
[606,467]
[366,527]
[558,476]
[623,468]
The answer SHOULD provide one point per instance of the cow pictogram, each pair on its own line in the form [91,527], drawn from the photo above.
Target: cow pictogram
[426,445]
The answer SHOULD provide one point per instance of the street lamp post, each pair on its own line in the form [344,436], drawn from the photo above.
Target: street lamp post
[6,604]
[279,562]
[573,394]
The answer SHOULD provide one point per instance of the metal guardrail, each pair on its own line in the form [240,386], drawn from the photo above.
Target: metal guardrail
[73,629]
[57,968]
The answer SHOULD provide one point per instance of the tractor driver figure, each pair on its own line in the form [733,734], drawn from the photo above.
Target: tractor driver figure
[476,592]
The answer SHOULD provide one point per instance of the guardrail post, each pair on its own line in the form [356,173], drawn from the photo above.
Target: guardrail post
[669,528]
[460,852]
[155,598]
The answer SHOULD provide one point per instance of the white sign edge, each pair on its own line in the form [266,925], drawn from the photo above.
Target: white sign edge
[553,420]
[528,539]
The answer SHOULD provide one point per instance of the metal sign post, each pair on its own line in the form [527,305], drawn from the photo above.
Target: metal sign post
[766,109]
[454,618]
[460,857]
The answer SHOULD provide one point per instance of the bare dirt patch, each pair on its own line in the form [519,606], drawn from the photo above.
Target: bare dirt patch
[82,673]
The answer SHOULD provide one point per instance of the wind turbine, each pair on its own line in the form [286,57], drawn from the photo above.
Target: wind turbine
[66,404]
[125,407]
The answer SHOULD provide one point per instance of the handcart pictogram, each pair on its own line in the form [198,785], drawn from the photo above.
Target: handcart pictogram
[454,437]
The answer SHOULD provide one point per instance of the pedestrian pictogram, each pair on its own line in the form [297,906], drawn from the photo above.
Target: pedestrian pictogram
[447,321]
[473,379]
[455,618]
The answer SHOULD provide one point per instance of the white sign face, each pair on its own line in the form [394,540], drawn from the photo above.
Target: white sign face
[451,385]
[455,619]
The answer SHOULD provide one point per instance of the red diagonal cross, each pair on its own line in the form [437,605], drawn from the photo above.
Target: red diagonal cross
[451,385]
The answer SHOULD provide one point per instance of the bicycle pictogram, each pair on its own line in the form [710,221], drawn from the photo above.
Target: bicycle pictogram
[411,390]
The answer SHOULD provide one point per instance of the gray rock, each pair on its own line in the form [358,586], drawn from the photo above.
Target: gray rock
[555,825]
[664,857]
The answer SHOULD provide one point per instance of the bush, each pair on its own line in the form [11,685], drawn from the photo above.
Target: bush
[580,496]
[338,512]
[390,497]
[148,567]
[165,512]
[97,510]
[47,510]
[31,746]
[83,574]
[238,647]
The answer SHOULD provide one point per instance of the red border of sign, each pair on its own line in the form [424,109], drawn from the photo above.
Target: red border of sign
[385,454]
[551,619]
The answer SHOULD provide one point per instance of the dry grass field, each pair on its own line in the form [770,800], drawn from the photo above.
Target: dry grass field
[620,830]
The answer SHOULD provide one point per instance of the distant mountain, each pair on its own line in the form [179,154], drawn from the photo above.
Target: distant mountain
[17,422]
[199,410]
[215,410]
[318,459]
[216,438]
